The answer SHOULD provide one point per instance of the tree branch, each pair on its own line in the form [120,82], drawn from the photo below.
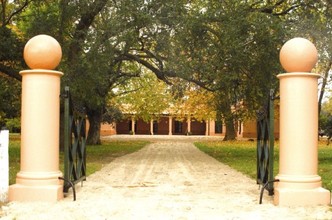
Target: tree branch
[159,60]
[288,10]
[325,79]
[160,75]
[75,48]
[164,75]
[270,8]
[19,10]
[11,72]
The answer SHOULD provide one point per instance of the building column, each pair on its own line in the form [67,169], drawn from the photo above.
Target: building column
[223,128]
[151,127]
[170,125]
[212,127]
[189,125]
[115,128]
[239,132]
[133,125]
[207,126]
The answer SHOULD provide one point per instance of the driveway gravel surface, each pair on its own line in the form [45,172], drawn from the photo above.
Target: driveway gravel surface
[168,179]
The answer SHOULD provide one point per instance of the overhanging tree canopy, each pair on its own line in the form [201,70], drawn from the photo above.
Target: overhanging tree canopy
[229,47]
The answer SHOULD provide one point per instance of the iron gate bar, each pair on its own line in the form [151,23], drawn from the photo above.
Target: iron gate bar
[261,145]
[271,139]
[265,145]
[74,144]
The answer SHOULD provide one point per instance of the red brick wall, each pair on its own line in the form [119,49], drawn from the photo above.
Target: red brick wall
[198,128]
[122,127]
[163,125]
[107,129]
[142,127]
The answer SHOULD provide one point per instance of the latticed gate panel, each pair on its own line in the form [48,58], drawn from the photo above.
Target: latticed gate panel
[265,144]
[74,144]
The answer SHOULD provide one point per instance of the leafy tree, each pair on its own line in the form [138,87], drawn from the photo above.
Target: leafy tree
[11,45]
[88,61]
[310,19]
[313,23]
[9,98]
[40,17]
[195,102]
[10,60]
[123,34]
[219,46]
[227,47]
[146,97]
[230,48]
[325,118]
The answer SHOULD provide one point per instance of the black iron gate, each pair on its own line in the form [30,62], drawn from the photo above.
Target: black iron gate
[265,145]
[74,142]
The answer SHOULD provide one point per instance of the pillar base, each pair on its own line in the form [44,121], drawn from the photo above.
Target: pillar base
[36,186]
[301,197]
[46,193]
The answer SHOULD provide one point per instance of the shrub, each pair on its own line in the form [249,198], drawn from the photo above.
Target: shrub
[13,125]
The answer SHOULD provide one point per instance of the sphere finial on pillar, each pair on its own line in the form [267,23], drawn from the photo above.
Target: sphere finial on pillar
[298,55]
[42,52]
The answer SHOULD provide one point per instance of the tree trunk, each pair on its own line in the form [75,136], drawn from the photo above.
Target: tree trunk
[82,29]
[224,107]
[230,130]
[322,90]
[95,119]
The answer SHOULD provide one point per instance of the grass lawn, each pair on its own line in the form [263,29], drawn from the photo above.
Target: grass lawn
[97,155]
[241,155]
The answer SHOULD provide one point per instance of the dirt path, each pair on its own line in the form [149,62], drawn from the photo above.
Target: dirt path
[165,180]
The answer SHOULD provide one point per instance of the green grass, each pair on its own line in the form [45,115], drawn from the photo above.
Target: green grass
[14,157]
[241,155]
[97,155]
[325,164]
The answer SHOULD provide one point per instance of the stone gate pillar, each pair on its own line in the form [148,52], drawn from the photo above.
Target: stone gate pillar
[38,178]
[299,183]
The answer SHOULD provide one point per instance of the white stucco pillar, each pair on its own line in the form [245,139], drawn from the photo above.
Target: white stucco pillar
[299,182]
[38,178]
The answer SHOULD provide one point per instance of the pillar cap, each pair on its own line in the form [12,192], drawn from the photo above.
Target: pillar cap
[42,52]
[298,55]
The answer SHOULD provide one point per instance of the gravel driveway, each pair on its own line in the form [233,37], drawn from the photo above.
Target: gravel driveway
[168,179]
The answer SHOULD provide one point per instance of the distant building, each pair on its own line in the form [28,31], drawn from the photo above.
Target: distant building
[170,125]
